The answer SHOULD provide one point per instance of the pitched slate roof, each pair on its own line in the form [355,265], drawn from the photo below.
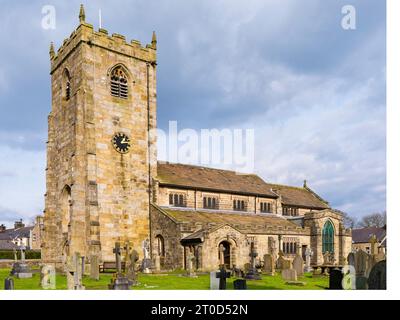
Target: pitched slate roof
[244,222]
[204,178]
[363,235]
[15,233]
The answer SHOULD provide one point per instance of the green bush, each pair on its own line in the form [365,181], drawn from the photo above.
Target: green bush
[29,254]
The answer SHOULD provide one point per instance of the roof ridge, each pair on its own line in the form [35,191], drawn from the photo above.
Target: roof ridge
[209,168]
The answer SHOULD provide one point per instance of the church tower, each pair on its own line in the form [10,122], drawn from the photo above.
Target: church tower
[101,149]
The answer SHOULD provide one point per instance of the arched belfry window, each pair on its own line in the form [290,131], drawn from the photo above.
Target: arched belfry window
[328,234]
[119,83]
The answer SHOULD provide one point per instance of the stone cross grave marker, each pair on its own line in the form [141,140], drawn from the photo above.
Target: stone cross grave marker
[253,272]
[20,268]
[222,275]
[118,262]
[119,280]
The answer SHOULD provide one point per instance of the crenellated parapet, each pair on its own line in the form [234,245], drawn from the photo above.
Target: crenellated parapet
[85,34]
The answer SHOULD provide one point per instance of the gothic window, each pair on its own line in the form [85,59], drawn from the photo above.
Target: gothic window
[160,245]
[210,203]
[177,200]
[265,207]
[239,205]
[328,237]
[119,83]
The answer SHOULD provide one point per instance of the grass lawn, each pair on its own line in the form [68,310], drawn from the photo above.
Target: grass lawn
[172,281]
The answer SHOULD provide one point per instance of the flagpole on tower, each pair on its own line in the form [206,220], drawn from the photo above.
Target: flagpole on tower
[99,18]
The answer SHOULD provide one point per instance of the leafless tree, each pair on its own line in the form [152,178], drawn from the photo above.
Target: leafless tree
[377,219]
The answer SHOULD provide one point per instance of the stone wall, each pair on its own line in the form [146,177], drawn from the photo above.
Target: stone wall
[107,197]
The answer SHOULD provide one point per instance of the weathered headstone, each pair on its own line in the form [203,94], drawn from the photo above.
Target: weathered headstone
[94,267]
[351,259]
[157,263]
[8,283]
[269,266]
[74,272]
[289,275]
[131,274]
[214,281]
[377,276]
[298,265]
[280,261]
[48,277]
[361,267]
[335,279]
[240,284]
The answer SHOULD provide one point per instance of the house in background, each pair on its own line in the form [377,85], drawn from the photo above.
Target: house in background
[361,239]
[21,235]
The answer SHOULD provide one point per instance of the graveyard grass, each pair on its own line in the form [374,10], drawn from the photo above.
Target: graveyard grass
[172,281]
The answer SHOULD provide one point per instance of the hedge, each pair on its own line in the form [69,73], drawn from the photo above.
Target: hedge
[29,254]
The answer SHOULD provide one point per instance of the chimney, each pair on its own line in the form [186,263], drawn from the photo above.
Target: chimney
[18,224]
[2,228]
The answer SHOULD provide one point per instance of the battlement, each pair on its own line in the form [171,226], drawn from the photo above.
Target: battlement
[86,34]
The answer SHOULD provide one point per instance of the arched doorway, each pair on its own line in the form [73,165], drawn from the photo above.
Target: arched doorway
[227,253]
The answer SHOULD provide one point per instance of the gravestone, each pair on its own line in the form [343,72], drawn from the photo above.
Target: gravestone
[214,281]
[351,259]
[94,267]
[222,275]
[281,262]
[298,265]
[157,263]
[253,273]
[119,280]
[240,284]
[74,272]
[377,276]
[309,253]
[48,277]
[8,283]
[131,274]
[335,279]
[20,268]
[269,266]
[361,267]
[289,275]
[146,263]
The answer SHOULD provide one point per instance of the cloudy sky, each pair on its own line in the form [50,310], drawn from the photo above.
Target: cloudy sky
[313,92]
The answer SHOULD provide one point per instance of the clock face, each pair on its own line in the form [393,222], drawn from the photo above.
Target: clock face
[121,142]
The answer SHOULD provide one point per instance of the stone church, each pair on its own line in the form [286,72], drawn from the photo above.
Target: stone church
[104,183]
